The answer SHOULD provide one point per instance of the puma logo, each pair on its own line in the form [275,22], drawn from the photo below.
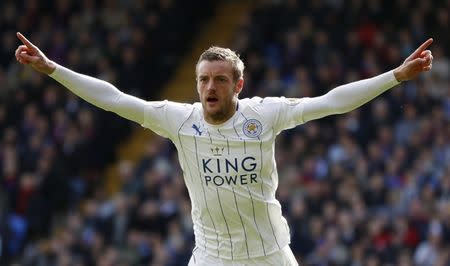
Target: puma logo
[197,129]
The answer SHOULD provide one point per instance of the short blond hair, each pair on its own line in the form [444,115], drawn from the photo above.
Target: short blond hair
[215,53]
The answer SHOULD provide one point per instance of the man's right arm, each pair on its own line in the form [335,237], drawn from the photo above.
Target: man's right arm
[98,92]
[101,94]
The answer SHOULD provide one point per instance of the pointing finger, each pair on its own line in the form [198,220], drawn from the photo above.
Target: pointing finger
[26,41]
[422,48]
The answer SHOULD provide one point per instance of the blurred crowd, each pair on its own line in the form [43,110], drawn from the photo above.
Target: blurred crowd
[53,145]
[371,187]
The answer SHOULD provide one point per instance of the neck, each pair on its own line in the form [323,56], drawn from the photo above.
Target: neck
[221,117]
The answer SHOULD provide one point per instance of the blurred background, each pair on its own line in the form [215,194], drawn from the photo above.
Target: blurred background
[81,186]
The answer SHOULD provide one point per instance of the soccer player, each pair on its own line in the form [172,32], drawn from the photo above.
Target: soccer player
[226,145]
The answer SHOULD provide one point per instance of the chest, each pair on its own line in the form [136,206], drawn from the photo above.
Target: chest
[241,135]
[236,146]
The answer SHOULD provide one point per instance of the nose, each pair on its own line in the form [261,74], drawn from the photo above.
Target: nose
[210,85]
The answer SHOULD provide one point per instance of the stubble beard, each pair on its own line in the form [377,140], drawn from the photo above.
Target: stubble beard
[216,116]
[220,115]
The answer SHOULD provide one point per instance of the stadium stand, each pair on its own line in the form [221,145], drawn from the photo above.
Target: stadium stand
[53,145]
[371,187]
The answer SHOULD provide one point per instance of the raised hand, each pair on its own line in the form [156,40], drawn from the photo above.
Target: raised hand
[419,61]
[29,54]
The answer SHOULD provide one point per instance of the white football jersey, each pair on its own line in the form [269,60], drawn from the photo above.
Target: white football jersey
[229,169]
[230,172]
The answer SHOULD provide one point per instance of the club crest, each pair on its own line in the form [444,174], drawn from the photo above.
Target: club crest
[252,128]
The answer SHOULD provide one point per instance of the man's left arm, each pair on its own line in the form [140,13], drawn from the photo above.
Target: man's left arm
[350,96]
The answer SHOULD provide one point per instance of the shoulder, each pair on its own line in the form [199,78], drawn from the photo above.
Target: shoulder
[250,102]
[257,107]
[282,112]
[268,102]
[168,111]
[171,107]
[197,106]
[176,105]
[166,117]
[181,111]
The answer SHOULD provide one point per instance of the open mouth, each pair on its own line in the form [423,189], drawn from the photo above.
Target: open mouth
[212,99]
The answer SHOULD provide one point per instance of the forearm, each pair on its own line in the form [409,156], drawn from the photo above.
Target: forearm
[348,97]
[100,93]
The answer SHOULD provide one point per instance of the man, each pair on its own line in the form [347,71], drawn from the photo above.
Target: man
[226,145]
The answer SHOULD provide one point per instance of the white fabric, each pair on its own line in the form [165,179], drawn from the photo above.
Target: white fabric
[283,257]
[101,94]
[339,100]
[348,97]
[229,169]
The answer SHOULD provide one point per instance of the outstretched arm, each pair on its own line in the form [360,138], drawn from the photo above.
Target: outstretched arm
[97,92]
[350,96]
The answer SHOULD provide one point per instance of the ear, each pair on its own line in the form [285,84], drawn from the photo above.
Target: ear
[239,86]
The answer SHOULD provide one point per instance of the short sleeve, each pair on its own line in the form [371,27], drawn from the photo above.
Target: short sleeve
[165,117]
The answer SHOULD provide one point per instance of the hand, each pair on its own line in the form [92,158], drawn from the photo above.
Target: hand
[29,54]
[419,61]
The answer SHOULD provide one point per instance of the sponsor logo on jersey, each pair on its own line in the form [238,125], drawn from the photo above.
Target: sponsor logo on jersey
[252,128]
[229,171]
